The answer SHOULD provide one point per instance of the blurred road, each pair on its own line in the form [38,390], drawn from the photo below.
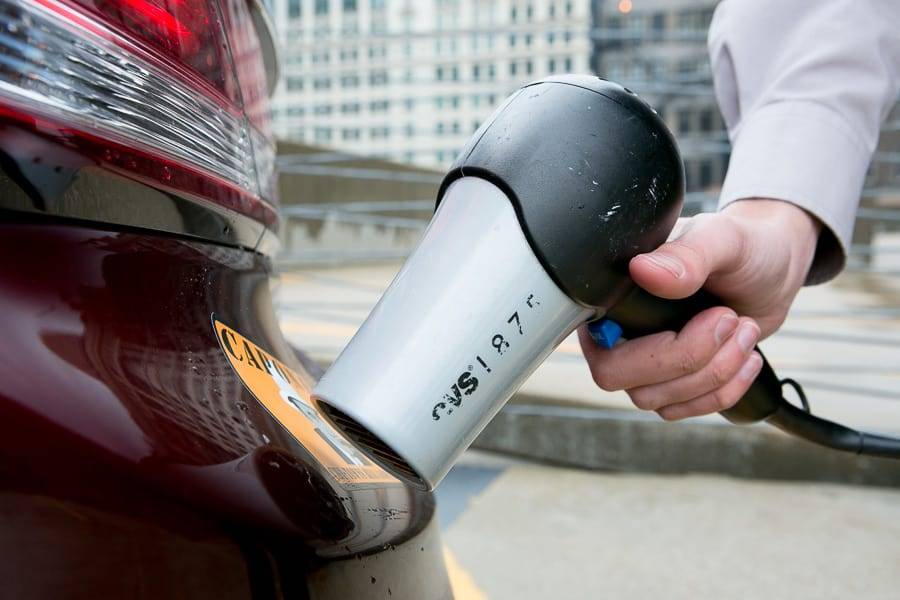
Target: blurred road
[524,531]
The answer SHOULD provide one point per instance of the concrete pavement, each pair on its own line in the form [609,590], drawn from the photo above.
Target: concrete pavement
[524,531]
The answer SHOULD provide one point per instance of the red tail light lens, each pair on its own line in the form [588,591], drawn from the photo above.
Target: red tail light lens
[190,32]
[146,88]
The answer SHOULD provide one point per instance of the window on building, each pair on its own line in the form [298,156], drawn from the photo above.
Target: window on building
[475,126]
[410,130]
[454,101]
[512,40]
[550,38]
[350,107]
[492,72]
[322,109]
[321,7]
[528,39]
[512,68]
[551,65]
[455,128]
[454,74]
[687,66]
[294,83]
[706,121]
[529,67]
[568,64]
[569,8]
[705,174]
[350,81]
[529,12]
[689,176]
[377,4]
[323,134]
[439,128]
[439,73]
[409,103]
[295,111]
[350,134]
[294,9]
[684,121]
[378,78]
[349,5]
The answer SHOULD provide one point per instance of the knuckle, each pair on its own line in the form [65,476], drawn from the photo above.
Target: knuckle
[723,401]
[720,373]
[688,361]
[603,377]
[642,399]
[689,253]
[666,415]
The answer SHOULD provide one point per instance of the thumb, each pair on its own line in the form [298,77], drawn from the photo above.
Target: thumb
[677,269]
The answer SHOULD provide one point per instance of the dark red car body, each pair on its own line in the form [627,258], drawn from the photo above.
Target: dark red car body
[134,462]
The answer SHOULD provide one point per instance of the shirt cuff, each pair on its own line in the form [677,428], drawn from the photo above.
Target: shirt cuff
[805,154]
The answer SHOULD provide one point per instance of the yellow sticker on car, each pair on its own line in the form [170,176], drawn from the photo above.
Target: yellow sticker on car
[286,397]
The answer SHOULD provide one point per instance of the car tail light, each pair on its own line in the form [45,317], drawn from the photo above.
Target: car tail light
[147,88]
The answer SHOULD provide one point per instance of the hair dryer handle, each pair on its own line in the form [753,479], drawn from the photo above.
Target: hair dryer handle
[641,313]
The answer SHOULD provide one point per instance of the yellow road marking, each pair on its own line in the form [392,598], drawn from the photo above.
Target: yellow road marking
[461,582]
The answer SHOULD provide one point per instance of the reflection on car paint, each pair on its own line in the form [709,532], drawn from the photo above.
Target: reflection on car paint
[114,352]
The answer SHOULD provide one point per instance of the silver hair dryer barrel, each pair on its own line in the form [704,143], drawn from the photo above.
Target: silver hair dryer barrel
[469,317]
[535,225]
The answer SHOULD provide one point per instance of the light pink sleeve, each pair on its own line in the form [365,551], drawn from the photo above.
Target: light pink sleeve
[804,86]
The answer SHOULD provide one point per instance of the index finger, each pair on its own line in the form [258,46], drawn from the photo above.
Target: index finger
[661,356]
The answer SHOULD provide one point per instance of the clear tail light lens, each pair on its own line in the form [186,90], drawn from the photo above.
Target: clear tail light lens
[189,32]
[148,88]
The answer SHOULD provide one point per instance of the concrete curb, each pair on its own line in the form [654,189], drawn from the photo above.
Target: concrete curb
[630,441]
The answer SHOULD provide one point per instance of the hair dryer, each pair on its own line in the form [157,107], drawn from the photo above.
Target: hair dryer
[534,228]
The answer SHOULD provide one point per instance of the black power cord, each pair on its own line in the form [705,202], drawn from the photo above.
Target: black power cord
[802,423]
[799,389]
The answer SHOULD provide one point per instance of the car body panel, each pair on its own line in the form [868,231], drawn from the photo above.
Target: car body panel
[134,456]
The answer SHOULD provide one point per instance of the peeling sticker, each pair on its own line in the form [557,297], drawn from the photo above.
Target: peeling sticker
[283,394]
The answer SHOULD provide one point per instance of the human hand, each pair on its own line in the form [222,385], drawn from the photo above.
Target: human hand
[754,256]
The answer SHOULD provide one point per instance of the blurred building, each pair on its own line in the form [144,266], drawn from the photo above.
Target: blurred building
[410,80]
[658,49]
